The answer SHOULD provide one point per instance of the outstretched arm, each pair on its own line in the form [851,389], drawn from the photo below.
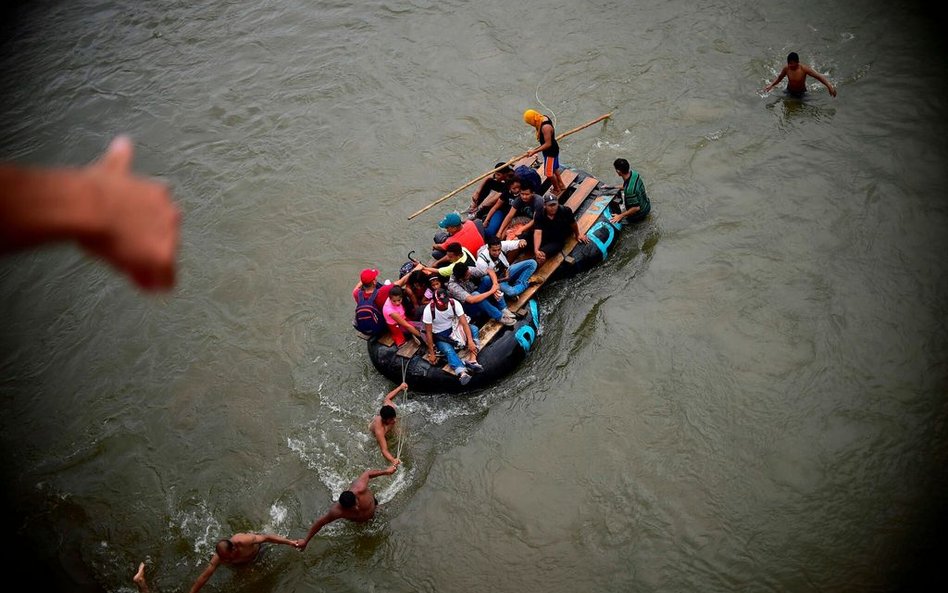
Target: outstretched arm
[259,538]
[127,220]
[202,580]
[362,482]
[405,325]
[390,398]
[829,86]
[776,80]
[379,434]
[331,515]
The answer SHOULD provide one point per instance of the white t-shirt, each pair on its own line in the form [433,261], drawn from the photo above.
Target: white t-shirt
[442,319]
[485,261]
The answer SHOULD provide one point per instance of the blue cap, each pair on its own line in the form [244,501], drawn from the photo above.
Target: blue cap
[452,219]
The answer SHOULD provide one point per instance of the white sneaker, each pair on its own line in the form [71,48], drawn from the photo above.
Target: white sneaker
[508,321]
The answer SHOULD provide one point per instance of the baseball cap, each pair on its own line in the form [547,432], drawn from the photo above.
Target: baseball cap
[369,275]
[452,219]
[441,296]
[550,199]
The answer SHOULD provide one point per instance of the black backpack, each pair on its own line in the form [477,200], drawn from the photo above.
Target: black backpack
[368,317]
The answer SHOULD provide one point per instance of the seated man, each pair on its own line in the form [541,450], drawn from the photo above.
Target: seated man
[552,228]
[495,182]
[498,211]
[370,297]
[513,279]
[634,201]
[445,327]
[453,254]
[526,204]
[476,290]
[469,233]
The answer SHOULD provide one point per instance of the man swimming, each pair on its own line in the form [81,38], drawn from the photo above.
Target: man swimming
[240,548]
[355,504]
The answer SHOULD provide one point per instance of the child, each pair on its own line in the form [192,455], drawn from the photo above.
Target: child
[395,318]
[796,74]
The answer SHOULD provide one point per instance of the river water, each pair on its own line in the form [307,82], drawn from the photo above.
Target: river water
[749,395]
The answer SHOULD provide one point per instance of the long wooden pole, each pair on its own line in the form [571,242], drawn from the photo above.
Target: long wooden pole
[508,163]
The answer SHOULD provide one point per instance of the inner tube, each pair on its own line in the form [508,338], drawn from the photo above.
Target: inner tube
[508,348]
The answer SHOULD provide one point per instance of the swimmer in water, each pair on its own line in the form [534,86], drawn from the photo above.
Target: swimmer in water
[796,74]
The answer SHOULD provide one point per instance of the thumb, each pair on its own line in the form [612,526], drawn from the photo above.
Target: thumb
[118,157]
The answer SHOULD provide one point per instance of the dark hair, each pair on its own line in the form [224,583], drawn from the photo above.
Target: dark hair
[506,170]
[395,291]
[347,499]
[454,247]
[621,165]
[491,241]
[387,412]
[460,270]
[418,277]
[792,57]
[224,545]
[437,277]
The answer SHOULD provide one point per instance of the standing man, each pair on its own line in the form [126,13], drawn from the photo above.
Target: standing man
[635,202]
[796,74]
[383,423]
[552,228]
[355,504]
[240,548]
[546,136]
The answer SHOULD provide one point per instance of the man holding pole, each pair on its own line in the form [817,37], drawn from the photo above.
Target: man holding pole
[546,136]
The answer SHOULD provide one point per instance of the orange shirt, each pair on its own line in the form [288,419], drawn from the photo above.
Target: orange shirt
[468,237]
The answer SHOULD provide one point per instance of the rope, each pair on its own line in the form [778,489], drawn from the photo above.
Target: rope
[401,422]
[537,95]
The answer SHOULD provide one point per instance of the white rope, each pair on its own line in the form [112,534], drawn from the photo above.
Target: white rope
[537,95]
[401,422]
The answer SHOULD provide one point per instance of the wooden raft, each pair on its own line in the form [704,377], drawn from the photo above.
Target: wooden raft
[585,222]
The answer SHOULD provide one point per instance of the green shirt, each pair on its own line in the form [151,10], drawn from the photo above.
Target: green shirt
[635,195]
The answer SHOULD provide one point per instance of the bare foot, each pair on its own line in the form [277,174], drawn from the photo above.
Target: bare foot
[139,578]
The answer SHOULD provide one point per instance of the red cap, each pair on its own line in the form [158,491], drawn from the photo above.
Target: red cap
[369,275]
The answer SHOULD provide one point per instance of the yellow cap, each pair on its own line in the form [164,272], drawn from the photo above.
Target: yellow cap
[532,117]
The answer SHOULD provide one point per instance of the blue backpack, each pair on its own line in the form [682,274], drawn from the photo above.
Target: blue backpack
[368,317]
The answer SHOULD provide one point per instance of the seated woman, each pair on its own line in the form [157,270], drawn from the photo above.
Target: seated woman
[395,317]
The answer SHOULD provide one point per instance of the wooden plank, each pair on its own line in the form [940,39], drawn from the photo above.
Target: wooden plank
[491,328]
[552,263]
[409,348]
